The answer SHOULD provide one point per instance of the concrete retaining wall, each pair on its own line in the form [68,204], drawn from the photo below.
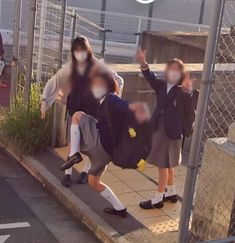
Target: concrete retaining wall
[216,190]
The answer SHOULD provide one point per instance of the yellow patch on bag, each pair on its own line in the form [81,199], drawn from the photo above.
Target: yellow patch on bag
[132,132]
[141,164]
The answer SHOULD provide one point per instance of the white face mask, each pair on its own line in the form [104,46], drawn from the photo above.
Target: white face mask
[98,92]
[81,56]
[173,76]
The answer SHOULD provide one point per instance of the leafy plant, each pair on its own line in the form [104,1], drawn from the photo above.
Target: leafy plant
[22,126]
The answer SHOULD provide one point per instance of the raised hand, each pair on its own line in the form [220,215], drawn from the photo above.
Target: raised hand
[187,84]
[141,57]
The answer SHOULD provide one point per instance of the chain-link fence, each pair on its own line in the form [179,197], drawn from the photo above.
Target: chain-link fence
[115,37]
[212,204]
[123,40]
[120,43]
[47,37]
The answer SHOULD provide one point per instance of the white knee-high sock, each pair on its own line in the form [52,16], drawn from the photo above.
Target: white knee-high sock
[68,171]
[108,194]
[86,167]
[74,140]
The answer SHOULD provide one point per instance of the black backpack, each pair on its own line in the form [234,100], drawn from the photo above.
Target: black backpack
[134,143]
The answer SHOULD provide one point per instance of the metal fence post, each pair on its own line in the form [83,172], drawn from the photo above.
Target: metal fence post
[15,55]
[102,16]
[205,88]
[29,54]
[74,26]
[202,9]
[150,15]
[61,34]
[59,65]
[41,39]
[104,42]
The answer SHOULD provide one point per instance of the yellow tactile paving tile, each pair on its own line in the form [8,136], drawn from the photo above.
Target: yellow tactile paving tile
[160,224]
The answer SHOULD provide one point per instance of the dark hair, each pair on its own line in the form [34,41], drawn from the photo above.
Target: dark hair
[110,82]
[84,44]
[180,65]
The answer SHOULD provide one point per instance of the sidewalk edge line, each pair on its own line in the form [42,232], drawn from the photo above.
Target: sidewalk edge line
[94,222]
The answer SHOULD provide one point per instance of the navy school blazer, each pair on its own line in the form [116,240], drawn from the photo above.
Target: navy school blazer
[110,115]
[177,108]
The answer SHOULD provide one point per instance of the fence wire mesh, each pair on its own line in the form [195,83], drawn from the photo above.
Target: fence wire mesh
[119,46]
[214,207]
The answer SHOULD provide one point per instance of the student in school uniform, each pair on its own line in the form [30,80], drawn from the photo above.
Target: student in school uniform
[71,86]
[172,120]
[98,138]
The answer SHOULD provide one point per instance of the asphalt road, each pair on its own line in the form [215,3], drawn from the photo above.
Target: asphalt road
[28,214]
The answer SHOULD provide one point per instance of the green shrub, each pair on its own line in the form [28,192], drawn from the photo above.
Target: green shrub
[22,126]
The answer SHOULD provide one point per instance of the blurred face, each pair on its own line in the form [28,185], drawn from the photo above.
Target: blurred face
[173,73]
[98,88]
[80,55]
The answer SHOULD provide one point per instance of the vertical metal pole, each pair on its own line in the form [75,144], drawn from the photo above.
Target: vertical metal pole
[150,15]
[103,43]
[16,38]
[61,34]
[1,14]
[41,39]
[29,54]
[205,88]
[74,27]
[203,2]
[59,65]
[102,16]
[138,33]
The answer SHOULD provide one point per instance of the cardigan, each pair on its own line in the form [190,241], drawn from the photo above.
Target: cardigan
[58,87]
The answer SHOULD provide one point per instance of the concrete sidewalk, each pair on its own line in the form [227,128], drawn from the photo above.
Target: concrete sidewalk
[140,226]
[133,186]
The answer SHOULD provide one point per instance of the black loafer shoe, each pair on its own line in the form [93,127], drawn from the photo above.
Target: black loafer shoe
[148,204]
[172,199]
[66,181]
[83,178]
[122,213]
[76,158]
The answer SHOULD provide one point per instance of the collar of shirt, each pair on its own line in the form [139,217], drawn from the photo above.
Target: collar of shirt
[102,100]
[169,87]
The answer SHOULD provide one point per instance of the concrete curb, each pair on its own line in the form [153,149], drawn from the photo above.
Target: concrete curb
[100,228]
